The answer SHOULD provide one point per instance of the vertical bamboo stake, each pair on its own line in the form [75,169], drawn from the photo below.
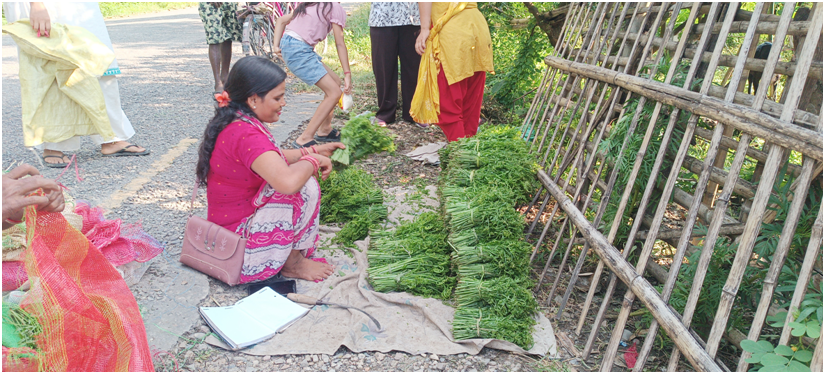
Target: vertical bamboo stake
[691,124]
[648,295]
[564,87]
[556,77]
[713,230]
[662,11]
[764,190]
[811,254]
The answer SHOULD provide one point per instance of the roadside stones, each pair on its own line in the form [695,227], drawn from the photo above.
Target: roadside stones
[399,355]
[198,335]
[379,356]
[205,329]
[434,357]
[325,358]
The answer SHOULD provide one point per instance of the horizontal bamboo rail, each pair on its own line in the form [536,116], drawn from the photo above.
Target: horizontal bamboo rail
[648,295]
[785,134]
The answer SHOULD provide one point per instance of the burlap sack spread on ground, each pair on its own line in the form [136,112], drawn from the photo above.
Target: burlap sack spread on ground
[409,323]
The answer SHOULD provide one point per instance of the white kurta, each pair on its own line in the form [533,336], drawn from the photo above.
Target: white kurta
[88,16]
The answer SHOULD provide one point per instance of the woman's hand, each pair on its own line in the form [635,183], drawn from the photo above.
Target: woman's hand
[39,18]
[16,190]
[348,84]
[326,150]
[421,41]
[326,165]
[277,51]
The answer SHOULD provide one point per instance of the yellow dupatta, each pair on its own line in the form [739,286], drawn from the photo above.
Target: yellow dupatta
[425,106]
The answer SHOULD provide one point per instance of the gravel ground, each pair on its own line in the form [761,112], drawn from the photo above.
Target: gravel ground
[166,90]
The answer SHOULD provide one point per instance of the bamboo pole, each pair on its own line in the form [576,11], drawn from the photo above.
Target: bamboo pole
[566,51]
[612,283]
[605,198]
[615,98]
[613,345]
[647,294]
[763,192]
[811,254]
[567,81]
[781,132]
[716,220]
[754,153]
[571,144]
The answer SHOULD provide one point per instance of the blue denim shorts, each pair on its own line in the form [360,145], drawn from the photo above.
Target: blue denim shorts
[302,60]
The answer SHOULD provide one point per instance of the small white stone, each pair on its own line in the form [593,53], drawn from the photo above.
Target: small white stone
[434,357]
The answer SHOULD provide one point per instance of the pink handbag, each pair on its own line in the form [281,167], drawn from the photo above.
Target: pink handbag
[212,249]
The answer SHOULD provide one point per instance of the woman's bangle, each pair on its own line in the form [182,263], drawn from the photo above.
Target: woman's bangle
[314,150]
[13,222]
[304,151]
[315,164]
[347,72]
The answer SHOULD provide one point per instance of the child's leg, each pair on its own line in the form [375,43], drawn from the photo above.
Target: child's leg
[321,121]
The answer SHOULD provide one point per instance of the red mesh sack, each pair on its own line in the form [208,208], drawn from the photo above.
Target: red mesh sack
[90,318]
[14,275]
[20,359]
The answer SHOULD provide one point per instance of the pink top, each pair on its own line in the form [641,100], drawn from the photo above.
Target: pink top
[231,183]
[313,27]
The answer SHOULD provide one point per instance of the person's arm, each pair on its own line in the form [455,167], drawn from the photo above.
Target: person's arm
[16,189]
[293,155]
[288,179]
[425,12]
[341,46]
[39,18]
[280,26]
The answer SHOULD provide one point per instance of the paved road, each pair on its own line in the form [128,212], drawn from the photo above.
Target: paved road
[165,90]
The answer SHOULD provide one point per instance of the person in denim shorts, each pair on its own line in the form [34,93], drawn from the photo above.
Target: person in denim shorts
[296,35]
[220,21]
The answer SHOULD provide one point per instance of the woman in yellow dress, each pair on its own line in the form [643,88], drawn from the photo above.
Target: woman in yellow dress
[456,54]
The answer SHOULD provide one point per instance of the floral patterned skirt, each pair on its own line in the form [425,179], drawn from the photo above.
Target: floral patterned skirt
[283,223]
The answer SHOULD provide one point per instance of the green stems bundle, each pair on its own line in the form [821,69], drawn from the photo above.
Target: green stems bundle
[469,323]
[426,275]
[350,196]
[503,296]
[414,258]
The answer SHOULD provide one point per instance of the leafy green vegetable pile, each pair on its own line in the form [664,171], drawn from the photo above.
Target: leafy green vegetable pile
[483,178]
[476,239]
[352,197]
[362,138]
[414,258]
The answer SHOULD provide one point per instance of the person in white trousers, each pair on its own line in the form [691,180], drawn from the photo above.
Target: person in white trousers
[88,16]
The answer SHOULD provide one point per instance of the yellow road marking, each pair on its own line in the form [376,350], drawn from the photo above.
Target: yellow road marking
[158,166]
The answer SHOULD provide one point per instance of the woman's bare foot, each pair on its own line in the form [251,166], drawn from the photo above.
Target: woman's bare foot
[298,266]
[115,147]
[55,160]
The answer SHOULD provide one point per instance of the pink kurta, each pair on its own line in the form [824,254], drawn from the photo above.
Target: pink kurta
[281,224]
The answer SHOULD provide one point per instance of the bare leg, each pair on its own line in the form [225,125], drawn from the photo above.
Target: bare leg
[321,121]
[298,266]
[226,59]
[215,62]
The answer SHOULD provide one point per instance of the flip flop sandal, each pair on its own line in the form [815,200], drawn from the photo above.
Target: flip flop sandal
[333,136]
[123,152]
[310,143]
[60,164]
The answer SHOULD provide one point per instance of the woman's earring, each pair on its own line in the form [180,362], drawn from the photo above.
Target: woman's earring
[254,107]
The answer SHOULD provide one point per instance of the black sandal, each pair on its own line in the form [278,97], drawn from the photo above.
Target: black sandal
[308,144]
[333,136]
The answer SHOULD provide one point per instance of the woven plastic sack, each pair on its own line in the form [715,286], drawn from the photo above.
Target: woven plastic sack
[90,318]
[20,359]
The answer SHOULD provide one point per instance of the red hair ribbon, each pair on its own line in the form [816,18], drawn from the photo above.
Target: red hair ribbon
[222,99]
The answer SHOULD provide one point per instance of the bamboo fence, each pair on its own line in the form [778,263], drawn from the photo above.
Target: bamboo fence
[608,55]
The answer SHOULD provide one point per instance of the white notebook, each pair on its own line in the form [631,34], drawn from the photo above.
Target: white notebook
[252,319]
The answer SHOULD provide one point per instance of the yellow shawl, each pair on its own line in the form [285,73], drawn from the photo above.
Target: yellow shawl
[61,95]
[425,106]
